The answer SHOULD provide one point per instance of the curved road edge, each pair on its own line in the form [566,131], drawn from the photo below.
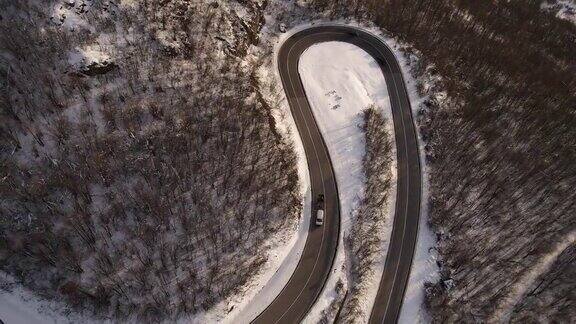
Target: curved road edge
[313,269]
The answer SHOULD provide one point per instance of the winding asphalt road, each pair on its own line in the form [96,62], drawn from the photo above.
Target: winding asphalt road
[307,281]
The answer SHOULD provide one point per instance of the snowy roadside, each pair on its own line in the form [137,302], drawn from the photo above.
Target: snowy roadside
[424,268]
[284,252]
[264,287]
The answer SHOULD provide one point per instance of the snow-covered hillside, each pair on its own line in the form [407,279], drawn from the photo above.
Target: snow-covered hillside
[138,158]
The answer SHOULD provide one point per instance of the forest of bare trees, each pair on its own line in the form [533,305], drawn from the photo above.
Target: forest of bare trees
[500,149]
[144,180]
[552,297]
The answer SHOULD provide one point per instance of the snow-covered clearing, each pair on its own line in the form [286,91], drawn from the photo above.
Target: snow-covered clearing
[339,87]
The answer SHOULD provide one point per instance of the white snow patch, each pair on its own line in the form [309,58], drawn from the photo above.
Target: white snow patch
[128,3]
[167,39]
[67,15]
[565,9]
[83,57]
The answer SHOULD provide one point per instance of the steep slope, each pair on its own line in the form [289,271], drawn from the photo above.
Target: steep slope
[141,174]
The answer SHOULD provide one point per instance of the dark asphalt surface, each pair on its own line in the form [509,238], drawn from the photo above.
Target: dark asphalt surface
[307,281]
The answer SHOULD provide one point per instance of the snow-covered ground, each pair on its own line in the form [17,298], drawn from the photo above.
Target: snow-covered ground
[20,306]
[339,87]
[424,267]
[565,9]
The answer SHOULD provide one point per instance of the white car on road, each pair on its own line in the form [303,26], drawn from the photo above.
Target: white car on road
[320,217]
[320,212]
